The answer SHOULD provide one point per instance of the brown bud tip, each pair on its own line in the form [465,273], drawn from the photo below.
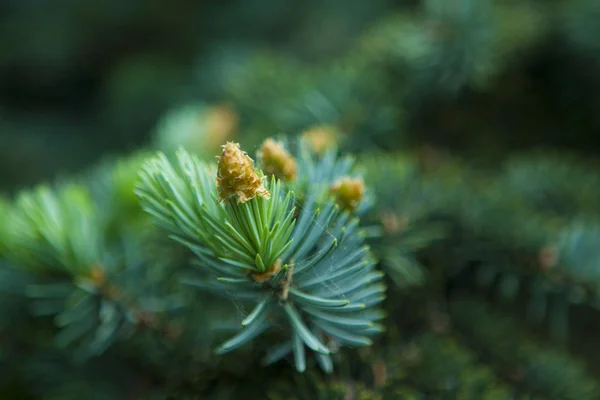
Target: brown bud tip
[236,177]
[275,160]
[321,137]
[349,192]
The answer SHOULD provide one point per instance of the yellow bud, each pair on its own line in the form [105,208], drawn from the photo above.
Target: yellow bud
[321,137]
[275,160]
[236,176]
[348,192]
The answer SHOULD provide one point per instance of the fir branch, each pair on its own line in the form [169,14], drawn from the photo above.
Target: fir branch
[254,244]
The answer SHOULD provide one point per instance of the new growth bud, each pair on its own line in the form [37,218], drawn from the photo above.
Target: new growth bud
[236,176]
[349,192]
[275,160]
[321,137]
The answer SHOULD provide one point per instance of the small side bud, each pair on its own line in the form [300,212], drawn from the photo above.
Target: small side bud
[321,137]
[349,192]
[277,161]
[236,176]
[267,275]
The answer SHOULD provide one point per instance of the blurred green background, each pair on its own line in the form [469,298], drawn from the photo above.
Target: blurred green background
[489,110]
[80,79]
[83,79]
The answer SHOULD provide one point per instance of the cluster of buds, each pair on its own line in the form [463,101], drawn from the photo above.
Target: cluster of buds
[348,192]
[277,161]
[236,176]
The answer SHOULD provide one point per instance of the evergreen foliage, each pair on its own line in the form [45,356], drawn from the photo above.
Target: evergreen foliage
[311,268]
[418,206]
